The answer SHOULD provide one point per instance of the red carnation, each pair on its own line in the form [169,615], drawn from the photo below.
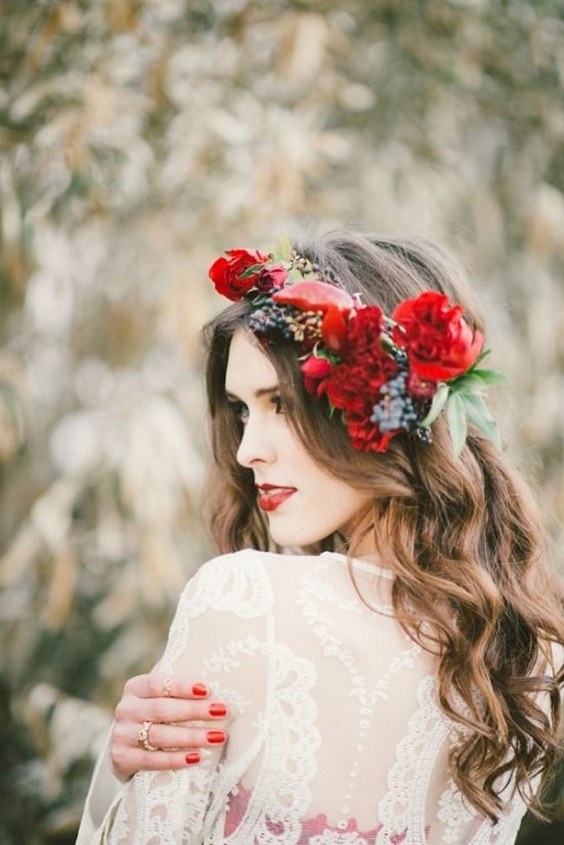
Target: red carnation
[363,342]
[232,278]
[439,342]
[365,435]
[356,387]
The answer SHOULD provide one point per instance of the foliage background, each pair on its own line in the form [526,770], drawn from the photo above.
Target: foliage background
[138,139]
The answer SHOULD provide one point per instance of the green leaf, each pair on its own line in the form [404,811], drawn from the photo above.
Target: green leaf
[437,405]
[483,354]
[250,271]
[328,354]
[457,425]
[491,376]
[477,380]
[468,383]
[479,414]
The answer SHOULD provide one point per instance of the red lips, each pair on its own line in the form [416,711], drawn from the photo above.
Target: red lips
[272,497]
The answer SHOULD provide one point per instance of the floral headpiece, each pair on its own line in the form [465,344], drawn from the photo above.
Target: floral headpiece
[386,375]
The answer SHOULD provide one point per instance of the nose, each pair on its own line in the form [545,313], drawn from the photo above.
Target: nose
[256,446]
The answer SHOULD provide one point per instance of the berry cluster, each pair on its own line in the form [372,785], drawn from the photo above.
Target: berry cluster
[303,327]
[396,411]
[270,319]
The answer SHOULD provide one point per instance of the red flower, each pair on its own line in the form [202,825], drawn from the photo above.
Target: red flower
[314,371]
[270,278]
[356,387]
[420,388]
[232,278]
[312,295]
[365,435]
[347,388]
[439,342]
[334,329]
[363,344]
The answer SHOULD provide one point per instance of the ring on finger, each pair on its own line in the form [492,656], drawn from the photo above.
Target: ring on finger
[143,737]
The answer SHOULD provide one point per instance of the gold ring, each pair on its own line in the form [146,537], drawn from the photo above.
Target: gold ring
[143,737]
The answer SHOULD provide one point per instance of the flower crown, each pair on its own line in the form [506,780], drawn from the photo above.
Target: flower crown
[386,376]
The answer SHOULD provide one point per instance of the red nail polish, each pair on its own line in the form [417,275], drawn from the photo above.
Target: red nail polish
[215,737]
[192,757]
[200,690]
[217,709]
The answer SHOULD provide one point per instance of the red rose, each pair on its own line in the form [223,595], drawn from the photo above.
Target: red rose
[271,277]
[226,273]
[440,344]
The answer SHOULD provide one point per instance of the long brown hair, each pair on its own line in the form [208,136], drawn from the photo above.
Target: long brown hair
[462,537]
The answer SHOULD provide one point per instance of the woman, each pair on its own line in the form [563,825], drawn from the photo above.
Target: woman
[395,676]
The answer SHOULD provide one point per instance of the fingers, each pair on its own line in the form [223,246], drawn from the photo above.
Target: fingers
[175,711]
[131,709]
[158,698]
[176,748]
[157,684]
[167,737]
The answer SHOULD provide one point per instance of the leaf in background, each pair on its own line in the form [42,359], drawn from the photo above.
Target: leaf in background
[283,249]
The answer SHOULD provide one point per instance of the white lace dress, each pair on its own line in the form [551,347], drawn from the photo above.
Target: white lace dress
[335,737]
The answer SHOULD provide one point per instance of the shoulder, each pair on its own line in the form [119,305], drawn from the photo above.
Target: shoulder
[251,562]
[249,579]
[236,582]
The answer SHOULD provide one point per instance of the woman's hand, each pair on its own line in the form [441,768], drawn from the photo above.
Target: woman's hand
[147,733]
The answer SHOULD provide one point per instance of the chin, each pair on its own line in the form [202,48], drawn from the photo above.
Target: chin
[295,538]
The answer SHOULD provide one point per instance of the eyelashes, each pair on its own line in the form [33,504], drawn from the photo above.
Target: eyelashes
[276,400]
[240,410]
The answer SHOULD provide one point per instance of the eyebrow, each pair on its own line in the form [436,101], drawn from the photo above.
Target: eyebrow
[262,391]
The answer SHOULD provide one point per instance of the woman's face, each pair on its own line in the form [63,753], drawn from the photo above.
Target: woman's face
[303,502]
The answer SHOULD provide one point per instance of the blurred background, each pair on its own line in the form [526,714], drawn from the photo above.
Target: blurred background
[140,138]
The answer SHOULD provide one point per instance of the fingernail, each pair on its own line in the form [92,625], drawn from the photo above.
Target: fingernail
[200,690]
[217,709]
[215,737]
[192,757]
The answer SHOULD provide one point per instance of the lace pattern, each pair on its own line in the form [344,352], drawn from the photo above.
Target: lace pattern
[282,640]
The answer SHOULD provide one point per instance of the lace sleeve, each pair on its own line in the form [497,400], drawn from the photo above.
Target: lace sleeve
[221,631]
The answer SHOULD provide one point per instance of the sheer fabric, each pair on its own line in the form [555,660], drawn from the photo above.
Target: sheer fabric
[335,736]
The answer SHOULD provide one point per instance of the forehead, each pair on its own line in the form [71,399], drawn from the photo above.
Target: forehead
[248,368]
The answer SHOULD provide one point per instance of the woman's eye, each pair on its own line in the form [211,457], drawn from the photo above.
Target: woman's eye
[277,402]
[240,411]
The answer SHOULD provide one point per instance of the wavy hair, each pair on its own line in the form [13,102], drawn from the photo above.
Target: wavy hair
[463,537]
